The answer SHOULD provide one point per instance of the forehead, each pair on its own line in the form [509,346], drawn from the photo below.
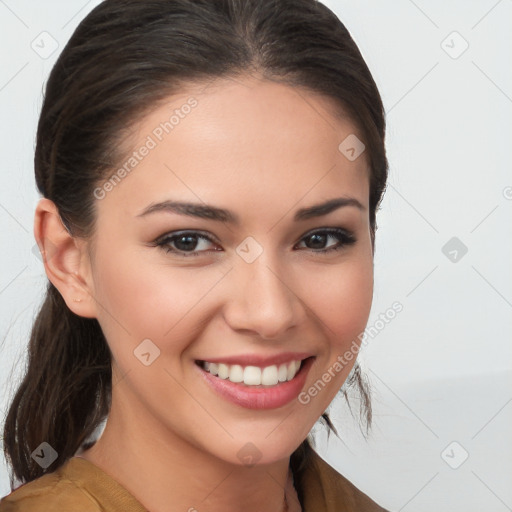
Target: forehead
[248,142]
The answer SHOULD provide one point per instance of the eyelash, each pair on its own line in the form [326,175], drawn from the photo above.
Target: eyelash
[345,238]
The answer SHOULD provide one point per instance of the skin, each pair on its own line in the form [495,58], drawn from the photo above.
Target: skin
[262,150]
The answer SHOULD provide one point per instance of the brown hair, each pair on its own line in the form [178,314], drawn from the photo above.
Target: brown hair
[124,58]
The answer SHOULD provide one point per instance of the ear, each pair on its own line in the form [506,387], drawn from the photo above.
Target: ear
[65,258]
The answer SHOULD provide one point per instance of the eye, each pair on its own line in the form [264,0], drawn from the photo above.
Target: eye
[185,242]
[194,243]
[320,237]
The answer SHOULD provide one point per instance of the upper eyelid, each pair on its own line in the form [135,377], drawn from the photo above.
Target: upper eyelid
[183,232]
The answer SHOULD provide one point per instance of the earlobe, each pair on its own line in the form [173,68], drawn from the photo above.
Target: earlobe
[63,258]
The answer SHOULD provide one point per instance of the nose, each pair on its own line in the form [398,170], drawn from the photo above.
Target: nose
[264,300]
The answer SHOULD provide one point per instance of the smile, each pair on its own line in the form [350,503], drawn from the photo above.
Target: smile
[256,387]
[253,375]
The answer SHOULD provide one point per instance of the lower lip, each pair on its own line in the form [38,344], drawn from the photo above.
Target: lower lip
[259,397]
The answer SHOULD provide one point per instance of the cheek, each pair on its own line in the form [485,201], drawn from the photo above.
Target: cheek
[130,299]
[342,300]
[140,300]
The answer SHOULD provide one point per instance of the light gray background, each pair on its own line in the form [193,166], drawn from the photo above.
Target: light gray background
[441,371]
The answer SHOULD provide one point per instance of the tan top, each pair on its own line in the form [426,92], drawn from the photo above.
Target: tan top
[81,486]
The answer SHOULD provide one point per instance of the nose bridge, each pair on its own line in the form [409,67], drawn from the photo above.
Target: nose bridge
[264,301]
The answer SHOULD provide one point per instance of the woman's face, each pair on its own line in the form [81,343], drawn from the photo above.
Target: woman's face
[257,291]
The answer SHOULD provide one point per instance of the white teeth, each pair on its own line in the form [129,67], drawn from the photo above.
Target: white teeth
[291,370]
[223,371]
[269,376]
[253,375]
[236,373]
[282,373]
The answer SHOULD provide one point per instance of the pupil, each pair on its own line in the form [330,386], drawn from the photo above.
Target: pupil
[320,241]
[191,244]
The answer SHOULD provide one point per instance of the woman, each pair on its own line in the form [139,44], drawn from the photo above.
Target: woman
[210,173]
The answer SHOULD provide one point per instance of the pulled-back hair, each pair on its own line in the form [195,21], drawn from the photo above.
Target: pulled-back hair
[124,58]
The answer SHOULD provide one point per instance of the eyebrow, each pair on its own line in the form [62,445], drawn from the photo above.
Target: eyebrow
[204,211]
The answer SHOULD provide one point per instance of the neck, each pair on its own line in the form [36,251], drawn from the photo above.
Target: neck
[163,468]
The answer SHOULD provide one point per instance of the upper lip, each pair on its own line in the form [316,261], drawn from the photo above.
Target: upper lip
[259,360]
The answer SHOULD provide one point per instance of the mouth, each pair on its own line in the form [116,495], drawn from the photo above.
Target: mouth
[253,376]
[257,387]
